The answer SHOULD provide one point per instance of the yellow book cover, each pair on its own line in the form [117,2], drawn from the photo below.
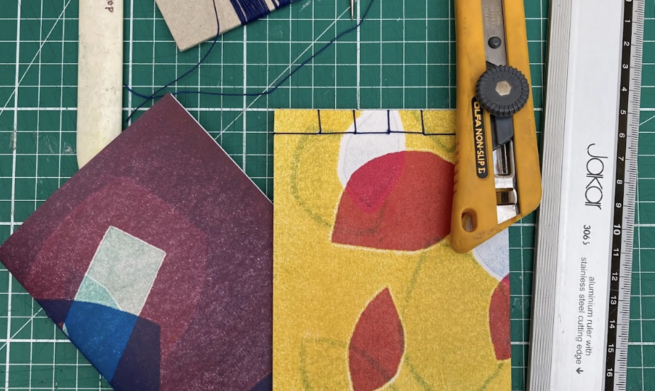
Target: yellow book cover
[368,294]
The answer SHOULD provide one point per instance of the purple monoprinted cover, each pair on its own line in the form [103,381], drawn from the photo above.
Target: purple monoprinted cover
[156,260]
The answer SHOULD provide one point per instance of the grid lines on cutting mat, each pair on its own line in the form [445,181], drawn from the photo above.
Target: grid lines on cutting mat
[402,57]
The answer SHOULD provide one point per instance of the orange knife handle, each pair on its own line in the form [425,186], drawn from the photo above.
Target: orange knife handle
[475,193]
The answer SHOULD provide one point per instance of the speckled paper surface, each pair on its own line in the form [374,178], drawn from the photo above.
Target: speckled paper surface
[194,21]
[368,294]
[156,260]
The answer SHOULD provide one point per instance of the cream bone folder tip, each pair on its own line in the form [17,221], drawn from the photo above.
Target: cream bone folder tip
[100,76]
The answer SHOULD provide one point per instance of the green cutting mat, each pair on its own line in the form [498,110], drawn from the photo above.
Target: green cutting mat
[402,57]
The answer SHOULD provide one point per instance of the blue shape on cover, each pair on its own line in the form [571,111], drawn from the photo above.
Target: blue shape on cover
[139,367]
[57,310]
[266,384]
[100,333]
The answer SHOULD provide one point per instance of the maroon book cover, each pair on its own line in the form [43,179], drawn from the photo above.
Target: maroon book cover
[156,260]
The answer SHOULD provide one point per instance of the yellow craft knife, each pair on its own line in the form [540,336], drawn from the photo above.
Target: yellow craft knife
[497,173]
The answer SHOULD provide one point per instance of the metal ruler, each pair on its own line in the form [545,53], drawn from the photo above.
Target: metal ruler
[583,262]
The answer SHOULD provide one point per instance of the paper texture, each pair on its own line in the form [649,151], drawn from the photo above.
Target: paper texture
[368,294]
[156,261]
[194,21]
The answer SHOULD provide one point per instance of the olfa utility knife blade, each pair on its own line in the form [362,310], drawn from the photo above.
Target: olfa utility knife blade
[497,175]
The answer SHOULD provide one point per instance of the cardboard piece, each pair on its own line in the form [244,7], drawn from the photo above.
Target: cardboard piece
[368,293]
[194,21]
[156,261]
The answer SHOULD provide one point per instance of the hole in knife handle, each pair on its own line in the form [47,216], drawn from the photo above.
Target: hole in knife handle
[468,221]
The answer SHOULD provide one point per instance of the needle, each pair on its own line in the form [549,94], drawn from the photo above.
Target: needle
[352,9]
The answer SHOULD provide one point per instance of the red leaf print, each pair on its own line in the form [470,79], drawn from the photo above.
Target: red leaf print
[369,189]
[377,344]
[499,320]
[399,201]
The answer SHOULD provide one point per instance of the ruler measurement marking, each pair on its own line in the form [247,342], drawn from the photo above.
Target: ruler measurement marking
[600,363]
[616,348]
[615,260]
